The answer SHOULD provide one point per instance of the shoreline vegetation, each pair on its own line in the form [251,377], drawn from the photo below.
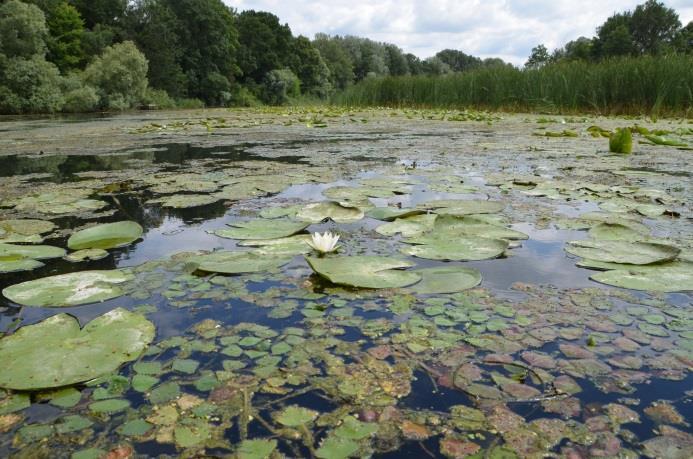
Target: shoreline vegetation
[80,56]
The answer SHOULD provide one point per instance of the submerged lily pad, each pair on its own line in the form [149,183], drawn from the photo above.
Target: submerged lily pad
[446,279]
[668,277]
[464,248]
[635,253]
[262,229]
[227,262]
[336,211]
[364,271]
[70,289]
[57,352]
[105,236]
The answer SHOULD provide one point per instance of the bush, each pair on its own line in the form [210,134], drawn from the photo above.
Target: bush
[22,30]
[81,100]
[119,76]
[189,103]
[29,86]
[279,85]
[158,98]
[243,97]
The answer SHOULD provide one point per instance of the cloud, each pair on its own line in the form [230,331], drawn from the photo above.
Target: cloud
[485,28]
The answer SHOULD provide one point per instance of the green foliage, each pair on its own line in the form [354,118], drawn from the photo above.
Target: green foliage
[29,85]
[654,27]
[538,57]
[158,98]
[65,41]
[22,30]
[458,61]
[336,59]
[104,12]
[81,100]
[279,85]
[264,44]
[119,75]
[310,68]
[209,42]
[618,85]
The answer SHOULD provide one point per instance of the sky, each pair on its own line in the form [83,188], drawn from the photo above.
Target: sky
[508,29]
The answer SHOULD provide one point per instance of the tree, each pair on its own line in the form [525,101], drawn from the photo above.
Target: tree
[279,85]
[23,30]
[66,32]
[435,66]
[209,41]
[414,64]
[154,28]
[578,49]
[336,58]
[119,76]
[309,67]
[654,27]
[458,61]
[104,12]
[29,85]
[538,57]
[684,39]
[395,60]
[264,44]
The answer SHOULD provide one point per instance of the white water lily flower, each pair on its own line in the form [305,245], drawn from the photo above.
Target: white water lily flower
[324,243]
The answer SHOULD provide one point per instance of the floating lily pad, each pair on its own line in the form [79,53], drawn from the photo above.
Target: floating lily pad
[105,236]
[409,226]
[616,232]
[636,253]
[56,352]
[70,289]
[86,254]
[294,416]
[226,262]
[668,277]
[354,429]
[457,249]
[256,449]
[185,201]
[364,271]
[447,279]
[262,229]
[26,231]
[336,448]
[336,211]
[464,207]
[24,257]
[389,214]
[284,246]
[449,226]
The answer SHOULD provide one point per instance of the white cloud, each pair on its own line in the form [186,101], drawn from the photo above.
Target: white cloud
[485,28]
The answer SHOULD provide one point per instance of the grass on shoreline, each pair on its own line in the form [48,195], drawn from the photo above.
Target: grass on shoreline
[659,85]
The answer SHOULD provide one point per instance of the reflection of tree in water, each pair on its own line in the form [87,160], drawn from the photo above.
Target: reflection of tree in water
[197,214]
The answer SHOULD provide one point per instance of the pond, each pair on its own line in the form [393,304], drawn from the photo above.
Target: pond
[499,288]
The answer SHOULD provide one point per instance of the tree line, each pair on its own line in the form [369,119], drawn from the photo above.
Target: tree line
[650,29]
[86,55]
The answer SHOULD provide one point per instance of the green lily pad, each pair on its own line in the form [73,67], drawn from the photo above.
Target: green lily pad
[56,352]
[621,141]
[457,249]
[226,262]
[105,236]
[451,226]
[191,432]
[389,214]
[364,271]
[25,257]
[616,232]
[27,231]
[135,428]
[256,449]
[295,416]
[71,289]
[86,254]
[667,277]
[186,201]
[262,229]
[22,264]
[636,253]
[408,226]
[336,448]
[354,429]
[336,211]
[464,207]
[447,279]
[112,405]
[285,246]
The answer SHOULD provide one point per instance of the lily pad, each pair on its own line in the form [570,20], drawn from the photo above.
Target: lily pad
[105,236]
[86,254]
[409,226]
[364,271]
[336,448]
[256,449]
[447,279]
[24,257]
[635,253]
[71,289]
[294,416]
[336,211]
[464,248]
[464,207]
[354,429]
[262,229]
[226,262]
[389,214]
[449,226]
[616,232]
[57,352]
[185,201]
[668,277]
[26,231]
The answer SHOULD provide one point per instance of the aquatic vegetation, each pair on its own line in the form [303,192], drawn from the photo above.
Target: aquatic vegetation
[621,141]
[484,302]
